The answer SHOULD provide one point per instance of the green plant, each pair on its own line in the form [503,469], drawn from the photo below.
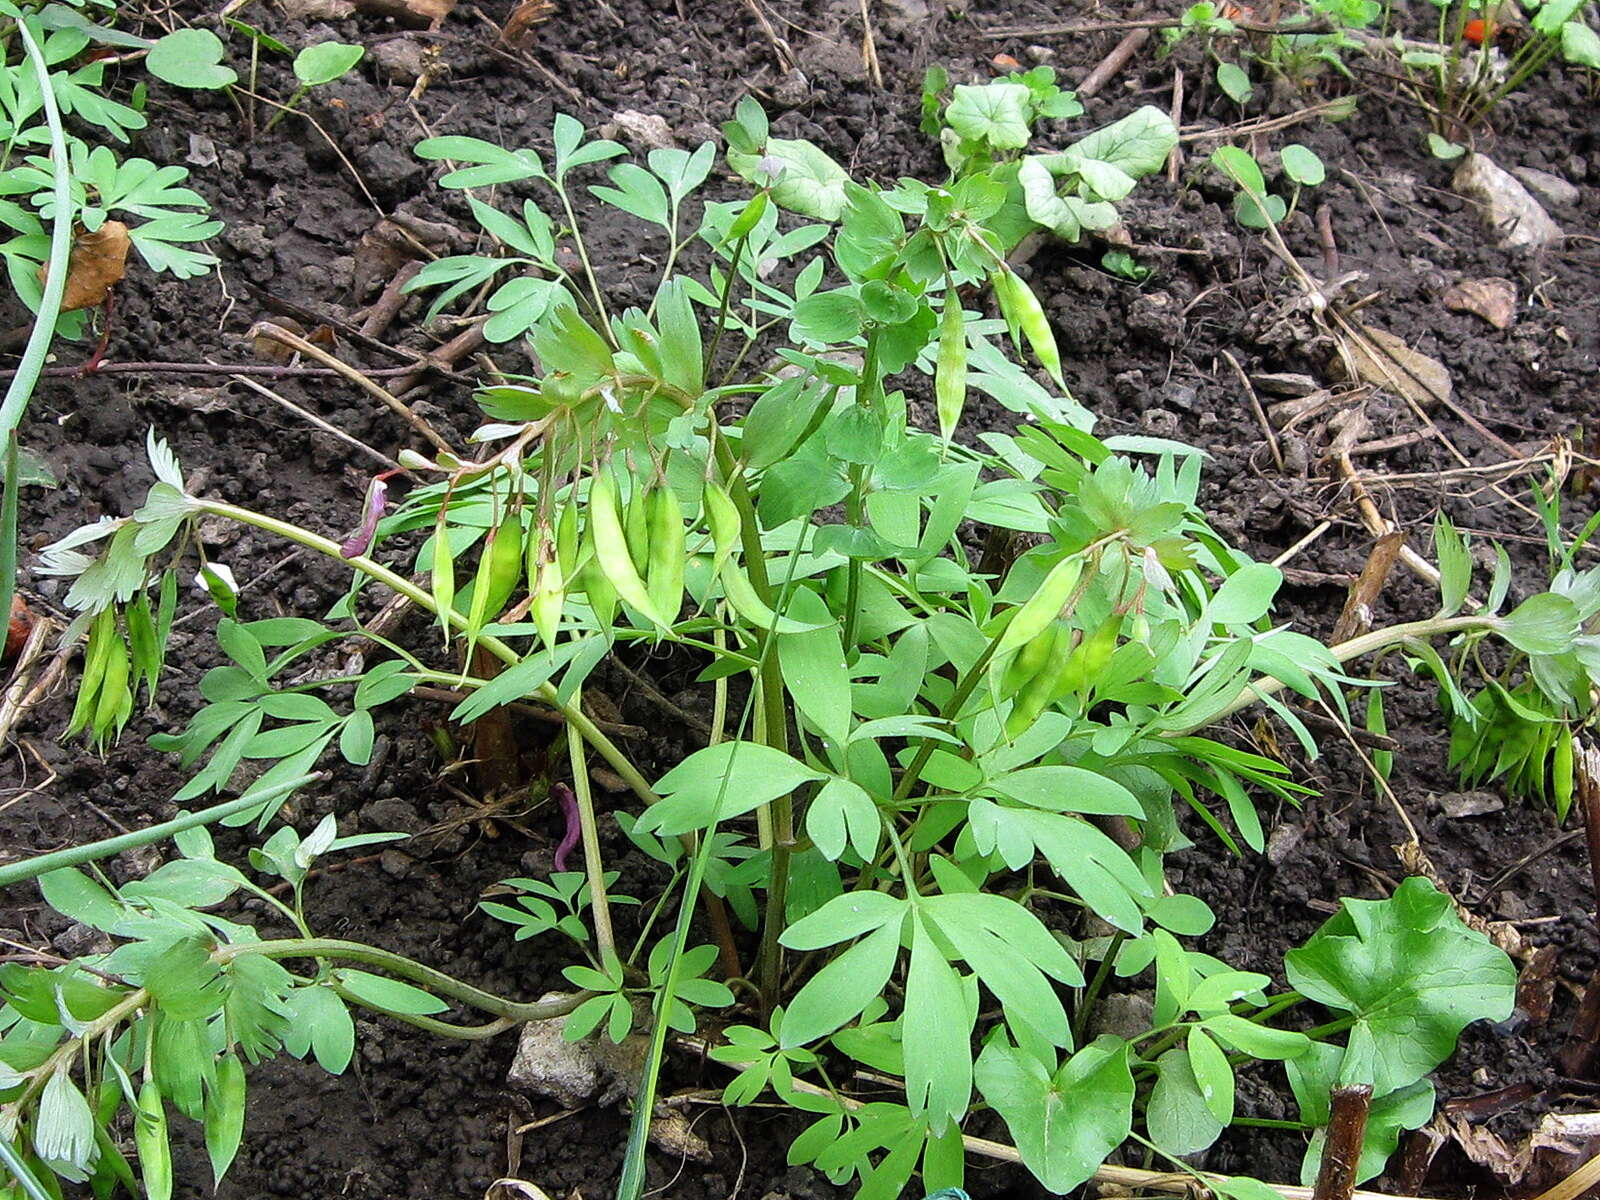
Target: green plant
[938,788]
[315,66]
[1526,715]
[1462,79]
[164,218]
[1253,206]
[984,129]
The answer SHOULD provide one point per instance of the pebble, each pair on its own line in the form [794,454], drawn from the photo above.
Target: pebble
[1516,218]
[1552,189]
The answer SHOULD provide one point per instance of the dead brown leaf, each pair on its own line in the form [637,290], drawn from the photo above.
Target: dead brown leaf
[99,261]
[518,30]
[1495,300]
[1384,360]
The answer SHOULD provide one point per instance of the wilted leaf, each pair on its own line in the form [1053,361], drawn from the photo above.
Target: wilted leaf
[1495,300]
[99,261]
[1392,364]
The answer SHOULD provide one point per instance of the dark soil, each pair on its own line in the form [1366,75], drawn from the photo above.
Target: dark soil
[419,1119]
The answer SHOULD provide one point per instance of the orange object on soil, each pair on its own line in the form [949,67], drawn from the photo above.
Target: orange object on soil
[20,627]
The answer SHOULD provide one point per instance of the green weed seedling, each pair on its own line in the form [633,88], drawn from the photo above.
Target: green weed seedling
[315,66]
[938,787]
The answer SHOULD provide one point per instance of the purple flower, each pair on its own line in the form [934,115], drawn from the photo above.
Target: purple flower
[569,810]
[377,501]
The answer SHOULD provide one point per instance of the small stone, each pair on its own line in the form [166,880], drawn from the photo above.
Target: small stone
[1516,217]
[395,864]
[1284,383]
[202,151]
[1281,843]
[1495,300]
[1470,804]
[1039,54]
[646,130]
[546,1064]
[1181,397]
[392,815]
[400,58]
[1552,189]
[1004,64]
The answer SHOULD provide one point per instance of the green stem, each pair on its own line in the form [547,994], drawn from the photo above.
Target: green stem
[868,395]
[72,856]
[1092,992]
[285,109]
[43,332]
[588,270]
[593,866]
[1357,647]
[406,968]
[21,1172]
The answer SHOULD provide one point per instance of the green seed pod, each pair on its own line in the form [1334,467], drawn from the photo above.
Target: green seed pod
[568,542]
[723,517]
[1024,313]
[1562,772]
[101,632]
[636,529]
[443,570]
[150,1140]
[548,593]
[668,551]
[225,1114]
[1029,659]
[950,367]
[1037,694]
[611,547]
[115,703]
[503,552]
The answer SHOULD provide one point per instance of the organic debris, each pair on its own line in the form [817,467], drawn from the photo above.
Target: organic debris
[99,261]
[1495,300]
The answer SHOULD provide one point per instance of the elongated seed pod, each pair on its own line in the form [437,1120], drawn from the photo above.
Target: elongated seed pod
[668,552]
[115,703]
[150,1139]
[568,543]
[1024,313]
[548,594]
[1027,662]
[504,555]
[95,654]
[723,517]
[1040,609]
[443,570]
[611,547]
[1039,691]
[636,528]
[224,1123]
[950,367]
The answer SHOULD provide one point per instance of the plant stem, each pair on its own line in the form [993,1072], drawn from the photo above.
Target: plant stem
[44,323]
[868,395]
[588,270]
[1356,647]
[1348,1106]
[593,867]
[72,856]
[406,968]
[1092,992]
[284,110]
[575,717]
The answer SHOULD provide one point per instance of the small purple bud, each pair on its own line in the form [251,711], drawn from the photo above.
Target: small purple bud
[377,501]
[569,811]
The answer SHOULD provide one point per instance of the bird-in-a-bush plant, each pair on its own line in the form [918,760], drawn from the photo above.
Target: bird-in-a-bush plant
[960,680]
